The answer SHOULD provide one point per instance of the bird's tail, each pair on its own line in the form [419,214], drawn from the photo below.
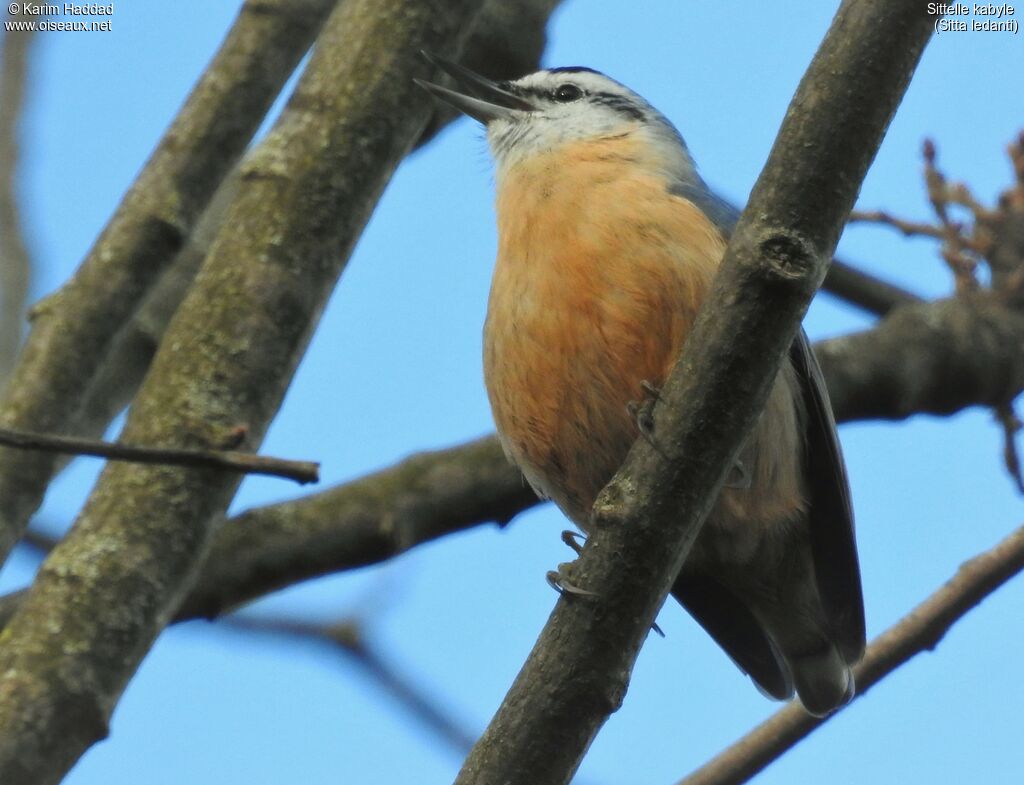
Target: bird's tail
[824,681]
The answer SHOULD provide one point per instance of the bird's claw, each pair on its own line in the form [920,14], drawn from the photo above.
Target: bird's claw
[642,413]
[652,392]
[574,540]
[739,476]
[557,581]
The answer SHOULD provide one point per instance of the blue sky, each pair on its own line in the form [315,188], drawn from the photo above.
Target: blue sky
[395,368]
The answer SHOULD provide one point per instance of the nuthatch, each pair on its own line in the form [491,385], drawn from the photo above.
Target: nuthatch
[607,243]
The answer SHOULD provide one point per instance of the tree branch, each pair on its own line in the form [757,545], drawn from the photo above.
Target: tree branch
[15,264]
[507,41]
[867,292]
[363,522]
[646,519]
[72,329]
[245,463]
[937,358]
[347,637]
[109,587]
[918,631]
[929,358]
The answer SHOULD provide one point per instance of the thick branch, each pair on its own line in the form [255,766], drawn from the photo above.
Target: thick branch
[72,329]
[241,462]
[932,358]
[649,515]
[918,631]
[15,266]
[359,523]
[307,190]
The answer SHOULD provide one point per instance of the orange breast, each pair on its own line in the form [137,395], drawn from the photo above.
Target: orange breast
[599,276]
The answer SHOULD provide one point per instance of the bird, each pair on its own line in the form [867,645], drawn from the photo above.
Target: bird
[608,239]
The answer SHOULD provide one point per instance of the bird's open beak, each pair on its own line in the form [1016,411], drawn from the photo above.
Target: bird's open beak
[483,100]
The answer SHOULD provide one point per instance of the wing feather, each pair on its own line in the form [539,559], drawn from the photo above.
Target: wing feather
[830,515]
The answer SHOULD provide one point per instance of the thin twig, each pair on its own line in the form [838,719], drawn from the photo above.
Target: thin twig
[301,472]
[348,637]
[38,541]
[918,631]
[1004,230]
[960,193]
[1016,151]
[956,248]
[907,228]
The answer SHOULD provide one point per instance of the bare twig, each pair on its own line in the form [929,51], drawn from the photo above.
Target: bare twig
[245,463]
[907,228]
[1004,228]
[348,637]
[956,248]
[1016,151]
[646,519]
[40,542]
[918,631]
[993,235]
[960,193]
[15,264]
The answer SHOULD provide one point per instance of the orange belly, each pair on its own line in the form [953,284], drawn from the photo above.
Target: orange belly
[599,277]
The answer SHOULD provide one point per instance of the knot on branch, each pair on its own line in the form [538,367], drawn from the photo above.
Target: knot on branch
[612,507]
[788,256]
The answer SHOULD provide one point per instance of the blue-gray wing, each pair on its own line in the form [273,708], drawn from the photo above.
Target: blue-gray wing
[830,515]
[830,519]
[722,214]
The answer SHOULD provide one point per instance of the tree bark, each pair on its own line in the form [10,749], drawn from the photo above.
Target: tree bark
[107,590]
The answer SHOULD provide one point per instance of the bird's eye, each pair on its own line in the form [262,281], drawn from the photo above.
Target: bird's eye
[567,93]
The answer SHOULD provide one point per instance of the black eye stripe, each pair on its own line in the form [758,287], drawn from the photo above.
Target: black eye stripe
[613,101]
[619,104]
